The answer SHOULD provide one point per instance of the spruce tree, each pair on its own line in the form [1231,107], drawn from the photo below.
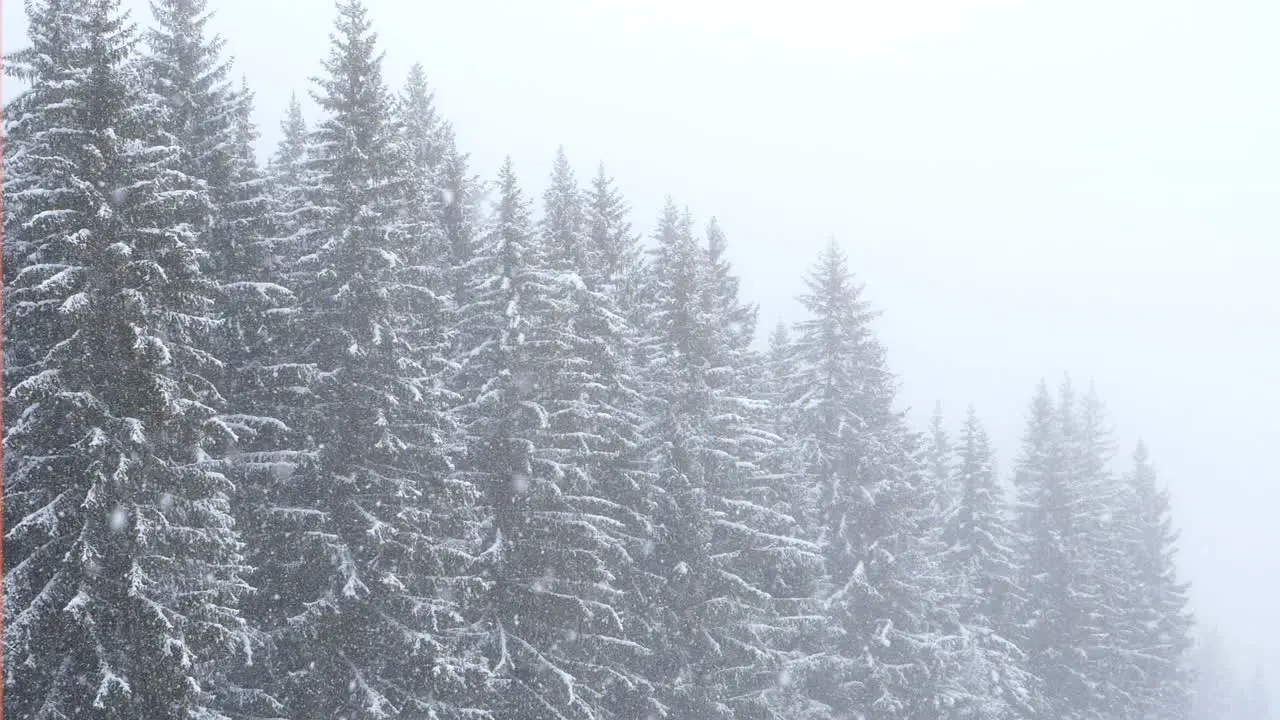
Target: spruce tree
[419,146]
[1068,558]
[123,570]
[540,436]
[721,293]
[371,534]
[783,460]
[1160,629]
[879,586]
[785,489]
[982,559]
[718,643]
[212,125]
[616,247]
[941,455]
[593,431]
[287,166]
[464,197]
[293,218]
[1105,574]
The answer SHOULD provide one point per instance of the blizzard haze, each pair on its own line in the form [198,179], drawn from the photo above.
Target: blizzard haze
[1026,188]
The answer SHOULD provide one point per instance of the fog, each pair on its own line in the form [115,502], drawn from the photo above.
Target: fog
[1027,189]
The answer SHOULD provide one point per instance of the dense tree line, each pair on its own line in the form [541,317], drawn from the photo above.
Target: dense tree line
[355,434]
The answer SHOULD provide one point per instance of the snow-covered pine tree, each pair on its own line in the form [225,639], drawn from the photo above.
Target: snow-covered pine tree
[1052,637]
[721,294]
[1105,578]
[941,457]
[422,128]
[287,166]
[1159,633]
[51,67]
[879,587]
[211,123]
[419,142]
[429,314]
[294,219]
[772,380]
[215,134]
[616,246]
[252,290]
[793,585]
[537,433]
[772,497]
[1062,502]
[783,460]
[465,199]
[718,642]
[185,69]
[370,544]
[960,671]
[592,437]
[123,569]
[982,558]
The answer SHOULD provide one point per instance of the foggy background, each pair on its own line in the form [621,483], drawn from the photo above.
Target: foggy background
[1026,188]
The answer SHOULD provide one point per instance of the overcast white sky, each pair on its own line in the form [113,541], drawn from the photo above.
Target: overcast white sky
[1027,188]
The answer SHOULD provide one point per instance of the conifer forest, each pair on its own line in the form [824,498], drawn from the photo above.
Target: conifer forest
[350,432]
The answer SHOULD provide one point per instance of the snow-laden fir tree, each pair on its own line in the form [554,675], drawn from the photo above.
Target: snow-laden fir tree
[51,66]
[720,296]
[540,432]
[783,461]
[960,672]
[1105,576]
[719,645]
[421,147]
[287,166]
[429,315]
[212,126]
[1069,558]
[275,380]
[1160,623]
[941,457]
[123,570]
[880,579]
[1051,611]
[423,130]
[463,212]
[371,532]
[616,247]
[981,557]
[786,490]
[593,433]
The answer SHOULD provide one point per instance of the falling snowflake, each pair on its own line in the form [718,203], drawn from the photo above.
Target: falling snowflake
[119,519]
